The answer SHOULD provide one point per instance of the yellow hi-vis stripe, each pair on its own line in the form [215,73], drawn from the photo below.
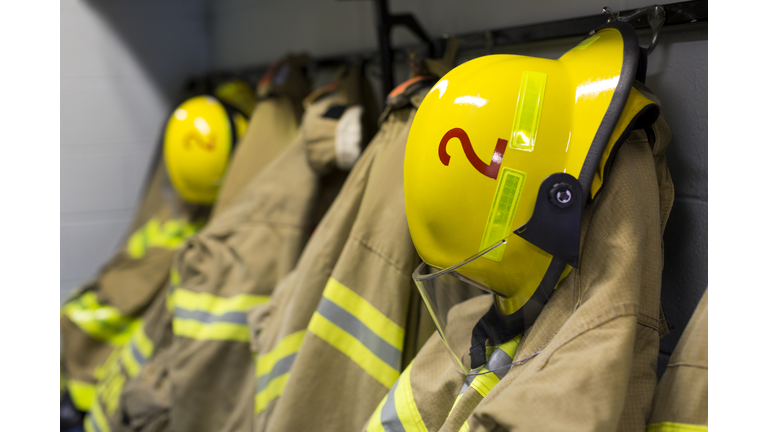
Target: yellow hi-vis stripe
[273,368]
[169,235]
[358,330]
[137,352]
[96,421]
[216,305]
[398,410]
[675,427]
[204,316]
[82,393]
[101,322]
[365,312]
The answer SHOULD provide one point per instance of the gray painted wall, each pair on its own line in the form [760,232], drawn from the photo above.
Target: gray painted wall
[122,64]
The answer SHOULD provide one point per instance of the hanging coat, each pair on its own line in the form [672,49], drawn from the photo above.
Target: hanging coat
[275,118]
[234,263]
[333,339]
[588,363]
[680,403]
[99,316]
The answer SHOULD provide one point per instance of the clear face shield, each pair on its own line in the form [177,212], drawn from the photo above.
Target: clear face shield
[456,302]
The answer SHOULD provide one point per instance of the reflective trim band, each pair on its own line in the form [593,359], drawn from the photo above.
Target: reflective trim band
[675,427]
[347,299]
[136,353]
[502,357]
[398,411]
[169,235]
[274,365]
[215,305]
[273,390]
[585,43]
[102,322]
[222,331]
[528,110]
[96,420]
[358,330]
[82,394]
[503,208]
[204,316]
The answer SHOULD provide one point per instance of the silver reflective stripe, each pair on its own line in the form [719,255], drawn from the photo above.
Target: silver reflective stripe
[205,317]
[93,422]
[349,323]
[389,418]
[499,360]
[281,367]
[137,354]
[467,383]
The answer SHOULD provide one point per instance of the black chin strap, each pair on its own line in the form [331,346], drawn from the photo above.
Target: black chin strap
[497,328]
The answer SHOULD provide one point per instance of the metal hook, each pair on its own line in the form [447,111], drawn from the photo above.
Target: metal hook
[654,13]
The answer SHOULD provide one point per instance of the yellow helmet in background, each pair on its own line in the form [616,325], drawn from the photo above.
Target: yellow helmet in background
[199,139]
[237,93]
[502,157]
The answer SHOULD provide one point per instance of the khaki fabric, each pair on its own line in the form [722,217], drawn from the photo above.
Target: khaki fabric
[131,278]
[240,257]
[145,404]
[273,126]
[681,396]
[588,362]
[333,339]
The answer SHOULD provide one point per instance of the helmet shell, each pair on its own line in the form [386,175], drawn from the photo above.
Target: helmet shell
[199,138]
[483,140]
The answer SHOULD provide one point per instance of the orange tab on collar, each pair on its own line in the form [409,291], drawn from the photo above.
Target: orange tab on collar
[404,85]
[316,93]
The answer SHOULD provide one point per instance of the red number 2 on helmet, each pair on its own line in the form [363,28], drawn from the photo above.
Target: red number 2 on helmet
[490,170]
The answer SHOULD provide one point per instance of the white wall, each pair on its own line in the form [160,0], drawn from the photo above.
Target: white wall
[122,65]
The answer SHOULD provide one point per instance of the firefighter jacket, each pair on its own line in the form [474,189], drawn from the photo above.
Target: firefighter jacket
[588,362]
[275,118]
[99,317]
[340,326]
[233,264]
[680,402]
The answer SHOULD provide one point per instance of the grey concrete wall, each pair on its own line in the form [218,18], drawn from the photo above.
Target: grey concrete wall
[122,64]
[246,33]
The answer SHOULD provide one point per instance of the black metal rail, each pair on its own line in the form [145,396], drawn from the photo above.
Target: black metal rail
[676,14]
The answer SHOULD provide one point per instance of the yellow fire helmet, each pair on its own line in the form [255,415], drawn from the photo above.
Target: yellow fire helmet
[199,139]
[503,155]
[237,93]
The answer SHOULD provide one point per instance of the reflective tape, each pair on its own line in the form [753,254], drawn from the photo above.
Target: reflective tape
[502,213]
[397,412]
[484,378]
[204,316]
[102,322]
[136,353]
[358,330]
[272,369]
[169,235]
[530,100]
[82,393]
[675,427]
[95,420]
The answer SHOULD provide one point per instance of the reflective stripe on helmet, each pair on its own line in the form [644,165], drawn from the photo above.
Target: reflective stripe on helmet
[353,326]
